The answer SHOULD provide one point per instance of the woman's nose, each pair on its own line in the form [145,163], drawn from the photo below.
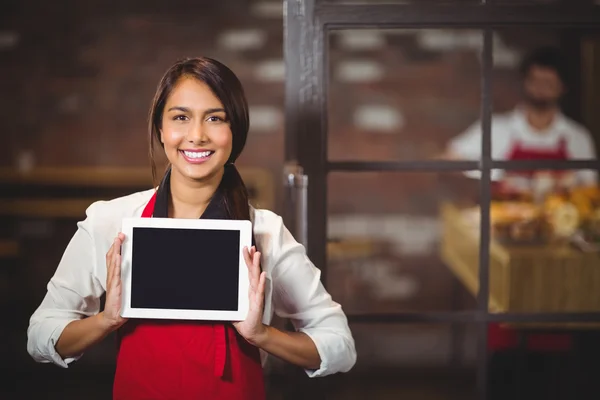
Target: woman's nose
[196,134]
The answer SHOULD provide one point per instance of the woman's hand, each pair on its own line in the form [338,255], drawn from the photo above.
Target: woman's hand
[252,328]
[294,347]
[112,308]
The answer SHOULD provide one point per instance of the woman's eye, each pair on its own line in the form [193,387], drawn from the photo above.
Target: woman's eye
[180,118]
[214,118]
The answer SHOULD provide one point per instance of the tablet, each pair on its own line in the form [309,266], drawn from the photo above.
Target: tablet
[185,269]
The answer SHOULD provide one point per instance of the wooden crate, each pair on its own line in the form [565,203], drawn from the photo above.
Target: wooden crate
[545,278]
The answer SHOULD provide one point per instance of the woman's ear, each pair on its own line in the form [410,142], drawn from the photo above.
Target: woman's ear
[161,136]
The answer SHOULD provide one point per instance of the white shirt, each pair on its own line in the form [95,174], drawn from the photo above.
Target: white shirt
[512,127]
[293,287]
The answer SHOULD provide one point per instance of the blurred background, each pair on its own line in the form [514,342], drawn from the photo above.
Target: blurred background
[77,82]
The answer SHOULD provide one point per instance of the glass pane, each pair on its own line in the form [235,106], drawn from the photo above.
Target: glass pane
[400,94]
[406,361]
[542,255]
[535,363]
[545,224]
[388,244]
[545,99]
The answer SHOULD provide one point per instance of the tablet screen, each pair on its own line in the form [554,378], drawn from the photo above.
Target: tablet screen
[185,269]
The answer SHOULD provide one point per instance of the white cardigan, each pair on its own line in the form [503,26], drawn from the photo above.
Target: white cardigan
[293,287]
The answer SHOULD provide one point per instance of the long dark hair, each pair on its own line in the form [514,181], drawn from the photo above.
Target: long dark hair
[227,87]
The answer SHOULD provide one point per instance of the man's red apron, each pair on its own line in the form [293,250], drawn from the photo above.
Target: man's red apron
[499,337]
[183,360]
[520,152]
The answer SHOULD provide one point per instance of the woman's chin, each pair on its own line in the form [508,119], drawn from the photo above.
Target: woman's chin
[198,173]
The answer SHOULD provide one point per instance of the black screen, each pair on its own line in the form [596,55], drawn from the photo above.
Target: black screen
[185,269]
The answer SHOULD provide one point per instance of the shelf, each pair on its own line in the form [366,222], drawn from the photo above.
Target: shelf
[80,176]
[45,208]
[9,248]
[259,182]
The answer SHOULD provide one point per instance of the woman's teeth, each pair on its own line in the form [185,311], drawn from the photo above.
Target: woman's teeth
[197,154]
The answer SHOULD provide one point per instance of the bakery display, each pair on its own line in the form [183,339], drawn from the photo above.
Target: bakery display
[561,216]
[526,273]
[544,251]
[518,222]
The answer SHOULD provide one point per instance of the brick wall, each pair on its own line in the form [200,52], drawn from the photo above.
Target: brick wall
[82,79]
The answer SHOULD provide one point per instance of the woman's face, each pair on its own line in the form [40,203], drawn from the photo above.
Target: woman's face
[195,131]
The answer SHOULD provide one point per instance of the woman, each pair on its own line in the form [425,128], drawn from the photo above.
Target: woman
[200,118]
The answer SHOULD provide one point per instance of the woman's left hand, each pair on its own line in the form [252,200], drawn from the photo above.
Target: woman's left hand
[252,329]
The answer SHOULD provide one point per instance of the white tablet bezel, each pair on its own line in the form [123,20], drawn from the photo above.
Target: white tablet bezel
[242,226]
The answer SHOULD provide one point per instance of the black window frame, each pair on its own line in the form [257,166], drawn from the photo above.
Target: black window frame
[307,25]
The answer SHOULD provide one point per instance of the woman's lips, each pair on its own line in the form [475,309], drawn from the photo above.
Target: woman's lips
[196,156]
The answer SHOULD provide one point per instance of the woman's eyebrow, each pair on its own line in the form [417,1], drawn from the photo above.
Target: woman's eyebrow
[214,110]
[187,110]
[179,108]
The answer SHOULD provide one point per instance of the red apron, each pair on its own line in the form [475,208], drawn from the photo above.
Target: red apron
[505,338]
[185,360]
[519,152]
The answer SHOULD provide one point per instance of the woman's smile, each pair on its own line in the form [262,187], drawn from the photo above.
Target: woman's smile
[196,156]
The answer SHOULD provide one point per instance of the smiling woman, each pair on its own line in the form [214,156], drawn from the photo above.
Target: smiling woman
[200,118]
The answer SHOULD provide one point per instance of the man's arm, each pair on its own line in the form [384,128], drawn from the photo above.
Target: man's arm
[466,146]
[582,147]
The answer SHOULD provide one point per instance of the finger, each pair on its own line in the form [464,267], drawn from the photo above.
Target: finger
[110,263]
[247,257]
[253,273]
[256,266]
[109,281]
[116,256]
[116,279]
[260,295]
[118,287]
[117,268]
[252,280]
[119,242]
[109,254]
[109,277]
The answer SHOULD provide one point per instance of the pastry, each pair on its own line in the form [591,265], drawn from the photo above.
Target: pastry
[564,219]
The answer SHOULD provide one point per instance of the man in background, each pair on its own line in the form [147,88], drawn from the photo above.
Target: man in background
[535,130]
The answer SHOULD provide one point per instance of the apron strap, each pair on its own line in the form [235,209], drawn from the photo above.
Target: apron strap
[149,209]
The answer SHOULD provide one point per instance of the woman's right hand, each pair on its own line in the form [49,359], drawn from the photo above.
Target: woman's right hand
[112,307]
